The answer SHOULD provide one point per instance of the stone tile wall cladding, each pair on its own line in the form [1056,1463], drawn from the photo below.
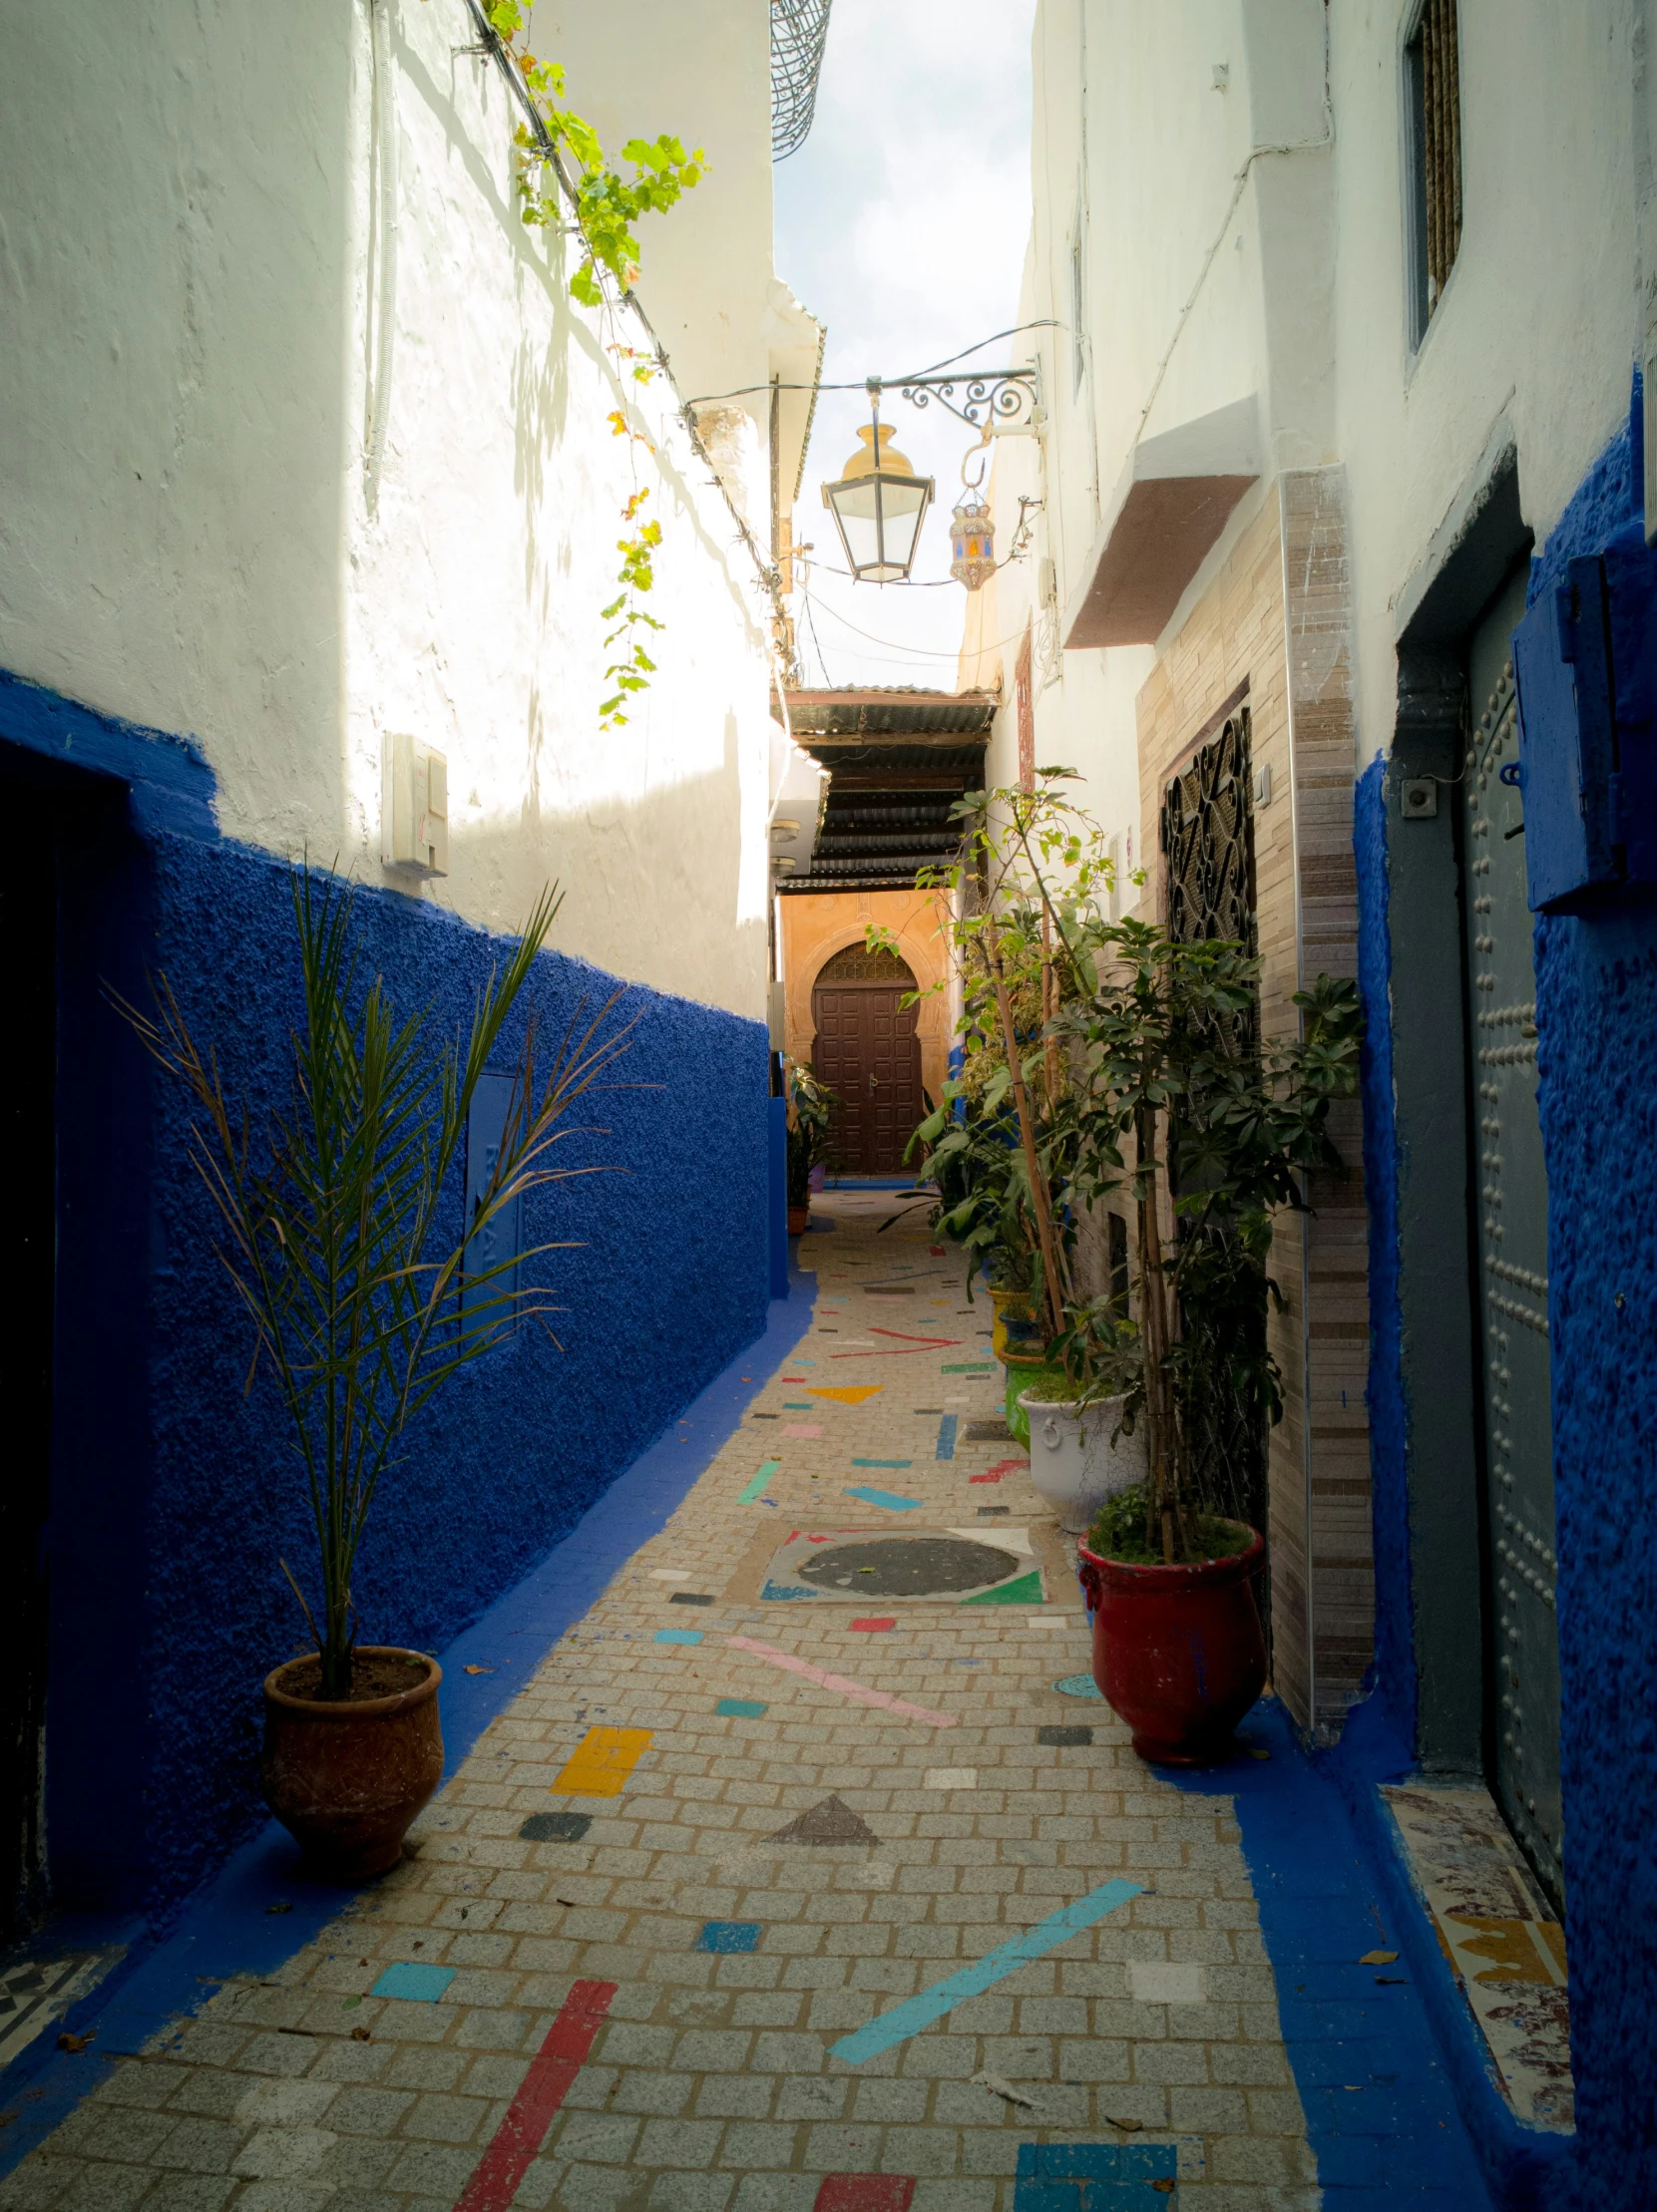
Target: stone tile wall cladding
[1275,619]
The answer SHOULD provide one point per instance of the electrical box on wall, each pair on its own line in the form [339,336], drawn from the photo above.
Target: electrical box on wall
[1585,664]
[414,806]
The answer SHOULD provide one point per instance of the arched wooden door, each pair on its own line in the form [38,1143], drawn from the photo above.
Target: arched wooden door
[868,1053]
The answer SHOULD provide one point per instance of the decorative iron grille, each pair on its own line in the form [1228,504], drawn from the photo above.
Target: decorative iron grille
[1207,832]
[856,964]
[798,31]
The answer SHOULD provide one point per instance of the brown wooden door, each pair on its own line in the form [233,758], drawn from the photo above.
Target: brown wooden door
[868,1053]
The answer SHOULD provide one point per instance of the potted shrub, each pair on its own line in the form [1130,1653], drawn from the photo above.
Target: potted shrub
[811,1107]
[367,1293]
[1208,1132]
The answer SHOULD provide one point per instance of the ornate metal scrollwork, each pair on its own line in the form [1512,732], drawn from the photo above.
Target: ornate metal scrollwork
[1005,399]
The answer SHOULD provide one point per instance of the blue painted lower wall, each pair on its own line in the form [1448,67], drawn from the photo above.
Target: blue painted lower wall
[1597,977]
[174,1492]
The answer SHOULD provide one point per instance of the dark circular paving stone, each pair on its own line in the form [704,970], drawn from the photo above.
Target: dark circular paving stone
[909,1566]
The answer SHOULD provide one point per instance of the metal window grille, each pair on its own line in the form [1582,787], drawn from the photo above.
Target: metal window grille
[1208,832]
[798,31]
[1433,70]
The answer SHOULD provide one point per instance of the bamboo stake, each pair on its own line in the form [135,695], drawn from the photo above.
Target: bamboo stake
[1026,1131]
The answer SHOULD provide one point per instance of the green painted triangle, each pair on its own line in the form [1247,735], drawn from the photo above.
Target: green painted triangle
[1027,1591]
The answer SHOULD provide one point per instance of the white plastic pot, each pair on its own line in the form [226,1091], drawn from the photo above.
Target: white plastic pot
[1073,1462]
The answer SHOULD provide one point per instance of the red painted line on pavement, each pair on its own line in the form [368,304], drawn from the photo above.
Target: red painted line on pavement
[865,2192]
[906,1336]
[551,2075]
[841,1682]
[874,1627]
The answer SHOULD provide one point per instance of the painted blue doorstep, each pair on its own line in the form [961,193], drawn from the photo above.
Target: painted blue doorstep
[888,1498]
[678,1636]
[729,1935]
[883,1463]
[920,2012]
[421,1984]
[740,1708]
[946,1435]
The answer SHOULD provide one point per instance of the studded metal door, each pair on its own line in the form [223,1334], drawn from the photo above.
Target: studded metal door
[1511,1274]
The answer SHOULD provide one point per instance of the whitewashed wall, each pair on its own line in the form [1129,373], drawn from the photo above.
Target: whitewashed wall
[191,268]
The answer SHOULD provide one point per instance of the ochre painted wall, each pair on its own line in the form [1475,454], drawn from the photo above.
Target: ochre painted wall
[816,925]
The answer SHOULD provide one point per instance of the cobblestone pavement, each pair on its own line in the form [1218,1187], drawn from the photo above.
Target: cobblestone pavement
[1144,2046]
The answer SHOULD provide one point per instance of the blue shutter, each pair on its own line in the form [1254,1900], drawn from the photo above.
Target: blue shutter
[503,1236]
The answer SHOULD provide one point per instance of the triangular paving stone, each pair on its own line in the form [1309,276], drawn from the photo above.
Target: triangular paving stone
[829,1822]
[1027,1591]
[850,1393]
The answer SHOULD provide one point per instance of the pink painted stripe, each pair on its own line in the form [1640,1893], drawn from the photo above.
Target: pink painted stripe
[842,1682]
[551,2075]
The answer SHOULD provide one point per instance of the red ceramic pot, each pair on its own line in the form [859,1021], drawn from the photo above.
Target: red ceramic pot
[346,1778]
[1178,1652]
[799,1217]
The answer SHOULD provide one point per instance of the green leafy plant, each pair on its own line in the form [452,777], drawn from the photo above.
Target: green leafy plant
[607,206]
[631,672]
[335,1237]
[811,1105]
[1118,1532]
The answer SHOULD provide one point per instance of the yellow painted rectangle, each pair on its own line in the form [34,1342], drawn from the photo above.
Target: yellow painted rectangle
[600,1764]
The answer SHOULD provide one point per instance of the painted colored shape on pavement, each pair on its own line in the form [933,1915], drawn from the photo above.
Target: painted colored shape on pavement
[756,1483]
[967,1367]
[850,1393]
[414,1981]
[916,2012]
[555,1827]
[550,2077]
[600,1764]
[993,1477]
[678,1636]
[883,1463]
[1064,2178]
[1064,1739]
[843,1683]
[864,2192]
[889,1499]
[775,1591]
[1078,1685]
[1027,1591]
[946,1437]
[729,1935]
[875,1627]
[801,1428]
[740,1708]
[690,1598]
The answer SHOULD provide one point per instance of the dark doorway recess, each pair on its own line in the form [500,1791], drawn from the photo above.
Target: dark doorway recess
[867,1052]
[28,931]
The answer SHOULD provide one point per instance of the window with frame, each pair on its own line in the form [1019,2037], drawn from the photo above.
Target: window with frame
[1433,124]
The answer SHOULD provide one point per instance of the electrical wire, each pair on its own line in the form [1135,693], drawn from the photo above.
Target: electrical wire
[887,383]
[920,652]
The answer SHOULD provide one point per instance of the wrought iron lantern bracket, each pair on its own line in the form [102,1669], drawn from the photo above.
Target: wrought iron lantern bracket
[996,402]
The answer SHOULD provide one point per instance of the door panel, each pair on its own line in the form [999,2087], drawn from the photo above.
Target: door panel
[1511,1219]
[867,1051]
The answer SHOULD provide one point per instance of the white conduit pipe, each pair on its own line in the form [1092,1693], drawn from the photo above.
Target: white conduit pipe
[384,280]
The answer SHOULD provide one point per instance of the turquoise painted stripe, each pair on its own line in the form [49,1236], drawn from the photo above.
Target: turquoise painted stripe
[891,1499]
[968,1368]
[916,2012]
[749,1491]
[883,1463]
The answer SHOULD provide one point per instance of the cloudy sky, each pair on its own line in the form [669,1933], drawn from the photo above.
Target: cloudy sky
[901,223]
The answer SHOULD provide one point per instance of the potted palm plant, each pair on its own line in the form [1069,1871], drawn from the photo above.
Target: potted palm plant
[368,1291]
[1208,1132]
[811,1107]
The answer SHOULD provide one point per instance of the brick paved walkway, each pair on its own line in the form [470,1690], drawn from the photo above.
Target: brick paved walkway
[1143,2047]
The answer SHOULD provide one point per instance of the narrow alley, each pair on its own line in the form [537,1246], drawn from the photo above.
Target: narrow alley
[756,1901]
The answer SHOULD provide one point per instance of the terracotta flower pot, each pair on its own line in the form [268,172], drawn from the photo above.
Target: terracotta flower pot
[345,1779]
[798,1216]
[1178,1652]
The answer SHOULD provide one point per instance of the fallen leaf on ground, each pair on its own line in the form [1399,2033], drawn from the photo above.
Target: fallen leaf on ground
[476,1670]
[67,2041]
[1259,1754]
[1378,1959]
[1164,2188]
[360,2036]
[280,1907]
[1129,2127]
[997,2087]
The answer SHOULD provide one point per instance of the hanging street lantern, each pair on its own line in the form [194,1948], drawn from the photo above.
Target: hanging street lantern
[973,541]
[877,506]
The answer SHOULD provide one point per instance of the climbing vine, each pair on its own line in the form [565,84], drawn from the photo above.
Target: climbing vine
[607,206]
